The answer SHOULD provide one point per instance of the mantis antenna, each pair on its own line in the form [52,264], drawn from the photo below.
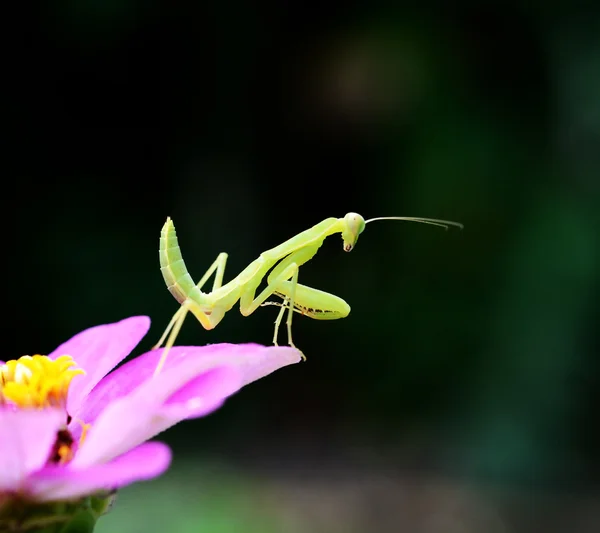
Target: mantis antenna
[433,221]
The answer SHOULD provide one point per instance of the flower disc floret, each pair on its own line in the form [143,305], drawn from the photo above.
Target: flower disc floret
[37,381]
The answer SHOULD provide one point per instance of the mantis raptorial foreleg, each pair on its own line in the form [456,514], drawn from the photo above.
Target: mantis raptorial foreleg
[276,283]
[299,257]
[273,287]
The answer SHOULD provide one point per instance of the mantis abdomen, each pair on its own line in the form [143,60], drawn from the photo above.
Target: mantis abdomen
[176,276]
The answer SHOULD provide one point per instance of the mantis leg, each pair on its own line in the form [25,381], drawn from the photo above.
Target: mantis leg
[282,272]
[217,268]
[175,327]
[290,301]
[169,327]
[284,306]
[274,287]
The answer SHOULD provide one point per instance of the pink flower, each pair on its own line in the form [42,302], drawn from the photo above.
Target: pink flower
[88,432]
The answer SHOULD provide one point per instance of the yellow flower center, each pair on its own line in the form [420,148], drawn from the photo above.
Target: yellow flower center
[37,381]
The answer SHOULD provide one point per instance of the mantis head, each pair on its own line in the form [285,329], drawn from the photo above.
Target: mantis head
[354,225]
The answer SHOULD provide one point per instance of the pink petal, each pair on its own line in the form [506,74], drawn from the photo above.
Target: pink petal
[131,405]
[26,441]
[57,483]
[254,361]
[153,407]
[98,350]
[201,395]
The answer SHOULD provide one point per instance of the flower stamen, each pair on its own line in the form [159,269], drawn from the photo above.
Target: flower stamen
[37,381]
[84,432]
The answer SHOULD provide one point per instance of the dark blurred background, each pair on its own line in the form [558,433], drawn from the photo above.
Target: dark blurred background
[461,393]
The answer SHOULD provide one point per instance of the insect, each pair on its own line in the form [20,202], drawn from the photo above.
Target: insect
[283,262]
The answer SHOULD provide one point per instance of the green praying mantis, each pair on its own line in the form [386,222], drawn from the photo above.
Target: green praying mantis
[283,262]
